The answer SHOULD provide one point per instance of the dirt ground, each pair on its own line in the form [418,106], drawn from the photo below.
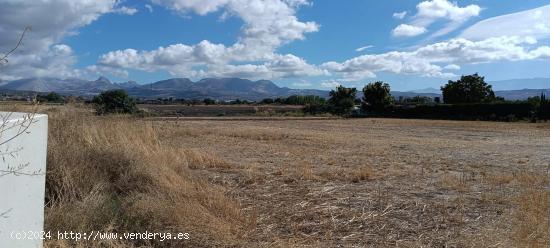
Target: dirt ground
[380,182]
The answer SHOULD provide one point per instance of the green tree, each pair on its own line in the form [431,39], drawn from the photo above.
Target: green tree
[535,100]
[267,101]
[51,97]
[209,101]
[544,108]
[469,89]
[376,96]
[418,100]
[115,101]
[342,100]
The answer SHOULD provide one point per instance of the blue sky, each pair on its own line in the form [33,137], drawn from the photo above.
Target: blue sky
[295,43]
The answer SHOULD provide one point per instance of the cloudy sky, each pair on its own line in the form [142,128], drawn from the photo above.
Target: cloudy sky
[296,43]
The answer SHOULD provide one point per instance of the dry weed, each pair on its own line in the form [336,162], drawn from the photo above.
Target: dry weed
[114,174]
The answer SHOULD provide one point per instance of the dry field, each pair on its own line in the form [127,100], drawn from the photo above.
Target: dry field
[299,183]
[380,182]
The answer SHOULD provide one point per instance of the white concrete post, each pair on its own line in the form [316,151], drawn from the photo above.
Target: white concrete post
[23,148]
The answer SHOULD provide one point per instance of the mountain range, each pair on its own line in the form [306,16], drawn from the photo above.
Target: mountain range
[229,88]
[217,88]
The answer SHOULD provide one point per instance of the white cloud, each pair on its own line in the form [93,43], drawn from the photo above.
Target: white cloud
[40,53]
[405,30]
[268,24]
[125,10]
[360,49]
[400,15]
[212,60]
[58,60]
[302,84]
[149,7]
[330,84]
[452,67]
[298,3]
[427,60]
[429,12]
[533,22]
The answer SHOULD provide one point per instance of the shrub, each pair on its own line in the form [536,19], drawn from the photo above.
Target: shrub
[115,101]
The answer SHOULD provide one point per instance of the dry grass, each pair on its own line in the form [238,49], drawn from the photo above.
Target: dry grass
[114,174]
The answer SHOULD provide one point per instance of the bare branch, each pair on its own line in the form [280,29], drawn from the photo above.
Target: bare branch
[4,58]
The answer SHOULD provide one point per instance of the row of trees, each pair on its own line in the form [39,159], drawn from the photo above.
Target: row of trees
[468,90]
[295,100]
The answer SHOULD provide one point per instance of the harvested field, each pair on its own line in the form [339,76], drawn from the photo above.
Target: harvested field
[380,182]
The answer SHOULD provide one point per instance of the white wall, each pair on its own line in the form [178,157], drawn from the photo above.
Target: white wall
[21,194]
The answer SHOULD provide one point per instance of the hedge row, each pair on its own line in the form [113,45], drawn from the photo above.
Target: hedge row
[478,111]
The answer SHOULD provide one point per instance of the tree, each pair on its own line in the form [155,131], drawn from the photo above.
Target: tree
[418,100]
[17,129]
[4,57]
[51,97]
[115,101]
[267,101]
[342,100]
[376,96]
[303,100]
[544,108]
[469,89]
[209,101]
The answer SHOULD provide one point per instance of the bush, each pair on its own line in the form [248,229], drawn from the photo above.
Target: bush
[115,102]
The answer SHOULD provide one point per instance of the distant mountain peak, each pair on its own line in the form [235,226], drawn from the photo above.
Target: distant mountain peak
[103,79]
[128,84]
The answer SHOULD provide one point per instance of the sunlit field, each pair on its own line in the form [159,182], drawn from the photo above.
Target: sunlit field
[317,183]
